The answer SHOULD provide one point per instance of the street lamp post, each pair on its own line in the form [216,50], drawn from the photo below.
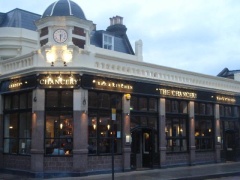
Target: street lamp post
[112,139]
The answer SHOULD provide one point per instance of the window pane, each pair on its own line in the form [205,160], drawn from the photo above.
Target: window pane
[152,122]
[92,126]
[183,107]
[104,145]
[11,146]
[7,102]
[66,125]
[134,103]
[116,101]
[143,104]
[11,126]
[67,99]
[52,125]
[51,98]
[153,104]
[175,106]
[209,109]
[92,99]
[202,109]
[168,106]
[221,108]
[23,101]
[92,147]
[196,108]
[104,100]
[25,125]
[15,101]
[30,100]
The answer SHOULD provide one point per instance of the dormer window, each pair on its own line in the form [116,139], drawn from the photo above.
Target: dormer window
[108,42]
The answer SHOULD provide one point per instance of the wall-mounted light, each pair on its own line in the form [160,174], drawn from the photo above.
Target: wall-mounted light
[128,97]
[128,139]
[218,139]
[108,126]
[59,54]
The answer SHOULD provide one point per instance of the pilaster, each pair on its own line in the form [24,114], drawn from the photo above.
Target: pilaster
[217,137]
[80,132]
[1,131]
[126,134]
[37,150]
[162,135]
[192,146]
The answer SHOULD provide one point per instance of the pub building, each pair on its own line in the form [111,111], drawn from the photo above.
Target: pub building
[68,89]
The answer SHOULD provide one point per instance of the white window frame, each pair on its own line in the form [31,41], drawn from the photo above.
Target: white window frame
[108,42]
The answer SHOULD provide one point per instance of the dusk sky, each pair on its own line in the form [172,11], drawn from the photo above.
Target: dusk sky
[196,35]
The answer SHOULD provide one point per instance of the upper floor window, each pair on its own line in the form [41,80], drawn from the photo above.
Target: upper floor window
[229,111]
[108,42]
[176,106]
[203,109]
[144,104]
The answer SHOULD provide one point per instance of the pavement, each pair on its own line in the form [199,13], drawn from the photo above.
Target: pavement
[229,171]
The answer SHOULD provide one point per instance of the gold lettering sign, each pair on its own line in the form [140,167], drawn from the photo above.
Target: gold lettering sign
[226,99]
[177,93]
[63,82]
[111,84]
[58,81]
[15,85]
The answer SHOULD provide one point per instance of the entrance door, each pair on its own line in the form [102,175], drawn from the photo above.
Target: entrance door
[230,145]
[147,143]
[142,149]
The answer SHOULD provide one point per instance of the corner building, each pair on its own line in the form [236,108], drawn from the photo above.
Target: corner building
[69,90]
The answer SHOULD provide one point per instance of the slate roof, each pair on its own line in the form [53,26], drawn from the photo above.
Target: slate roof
[19,18]
[64,8]
[121,42]
[226,73]
[23,19]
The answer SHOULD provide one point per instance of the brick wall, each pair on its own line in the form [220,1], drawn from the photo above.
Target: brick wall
[204,157]
[177,159]
[17,162]
[104,163]
[60,164]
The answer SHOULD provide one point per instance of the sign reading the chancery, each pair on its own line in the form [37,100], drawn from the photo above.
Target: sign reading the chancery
[59,81]
[177,93]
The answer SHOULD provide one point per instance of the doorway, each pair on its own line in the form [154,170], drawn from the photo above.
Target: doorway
[142,148]
[230,145]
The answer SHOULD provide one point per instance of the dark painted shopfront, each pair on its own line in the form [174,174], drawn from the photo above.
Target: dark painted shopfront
[153,125]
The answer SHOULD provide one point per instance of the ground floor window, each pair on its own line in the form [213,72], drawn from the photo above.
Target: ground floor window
[204,134]
[176,134]
[59,122]
[104,123]
[101,130]
[17,123]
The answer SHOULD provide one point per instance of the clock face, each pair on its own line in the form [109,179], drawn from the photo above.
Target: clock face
[60,36]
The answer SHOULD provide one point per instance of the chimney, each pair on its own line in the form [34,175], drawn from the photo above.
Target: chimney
[116,26]
[116,20]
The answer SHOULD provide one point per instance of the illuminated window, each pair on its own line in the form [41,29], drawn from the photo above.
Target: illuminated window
[101,127]
[204,134]
[176,131]
[17,123]
[59,123]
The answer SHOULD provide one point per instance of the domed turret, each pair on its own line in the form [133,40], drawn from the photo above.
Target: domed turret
[64,8]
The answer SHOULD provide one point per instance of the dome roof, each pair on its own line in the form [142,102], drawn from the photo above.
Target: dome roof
[64,8]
